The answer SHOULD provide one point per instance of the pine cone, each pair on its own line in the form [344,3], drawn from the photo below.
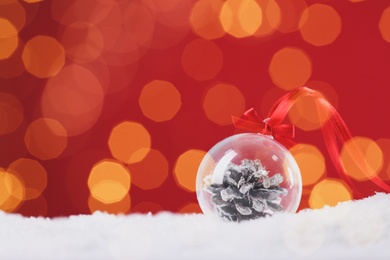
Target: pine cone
[247,192]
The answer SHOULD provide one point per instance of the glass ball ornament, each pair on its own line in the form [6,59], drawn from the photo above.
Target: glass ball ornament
[248,176]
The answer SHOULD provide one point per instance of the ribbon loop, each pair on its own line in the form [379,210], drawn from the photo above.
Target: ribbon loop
[284,133]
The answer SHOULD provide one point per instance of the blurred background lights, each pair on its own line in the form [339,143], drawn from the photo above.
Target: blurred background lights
[151,172]
[160,100]
[13,11]
[384,24]
[43,56]
[307,114]
[367,165]
[329,192]
[32,1]
[204,19]
[202,59]
[221,102]
[11,113]
[186,168]
[90,11]
[147,207]
[139,21]
[32,174]
[120,207]
[13,66]
[46,138]
[326,90]
[74,97]
[83,42]
[311,163]
[291,12]
[384,145]
[129,142]
[190,208]
[124,50]
[109,181]
[152,84]
[120,47]
[171,21]
[320,24]
[271,17]
[290,68]
[9,38]
[11,191]
[241,18]
[163,6]
[4,193]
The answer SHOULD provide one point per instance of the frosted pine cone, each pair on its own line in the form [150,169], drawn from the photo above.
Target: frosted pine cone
[247,192]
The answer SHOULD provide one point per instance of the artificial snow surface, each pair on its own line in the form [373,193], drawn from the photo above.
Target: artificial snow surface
[351,230]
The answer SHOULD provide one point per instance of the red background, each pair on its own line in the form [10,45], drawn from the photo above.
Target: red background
[356,66]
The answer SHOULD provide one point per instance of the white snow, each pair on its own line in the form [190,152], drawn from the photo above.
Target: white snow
[351,230]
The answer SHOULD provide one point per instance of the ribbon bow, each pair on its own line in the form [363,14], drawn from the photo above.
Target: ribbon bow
[250,121]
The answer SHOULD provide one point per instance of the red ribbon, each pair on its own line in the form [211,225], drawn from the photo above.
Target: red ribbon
[284,133]
[251,122]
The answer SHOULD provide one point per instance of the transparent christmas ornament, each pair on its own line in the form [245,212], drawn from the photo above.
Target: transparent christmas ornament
[247,176]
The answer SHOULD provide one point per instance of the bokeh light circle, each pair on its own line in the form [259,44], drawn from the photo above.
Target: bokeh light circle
[32,1]
[74,97]
[129,142]
[120,207]
[90,11]
[83,42]
[43,56]
[151,172]
[202,59]
[120,45]
[291,12]
[13,11]
[32,174]
[109,181]
[190,208]
[204,19]
[290,68]
[384,145]
[11,113]
[307,114]
[186,167]
[139,21]
[9,39]
[329,192]
[11,191]
[362,158]
[271,18]
[147,207]
[320,24]
[384,24]
[311,162]
[241,18]
[46,138]
[159,100]
[221,102]
[170,20]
